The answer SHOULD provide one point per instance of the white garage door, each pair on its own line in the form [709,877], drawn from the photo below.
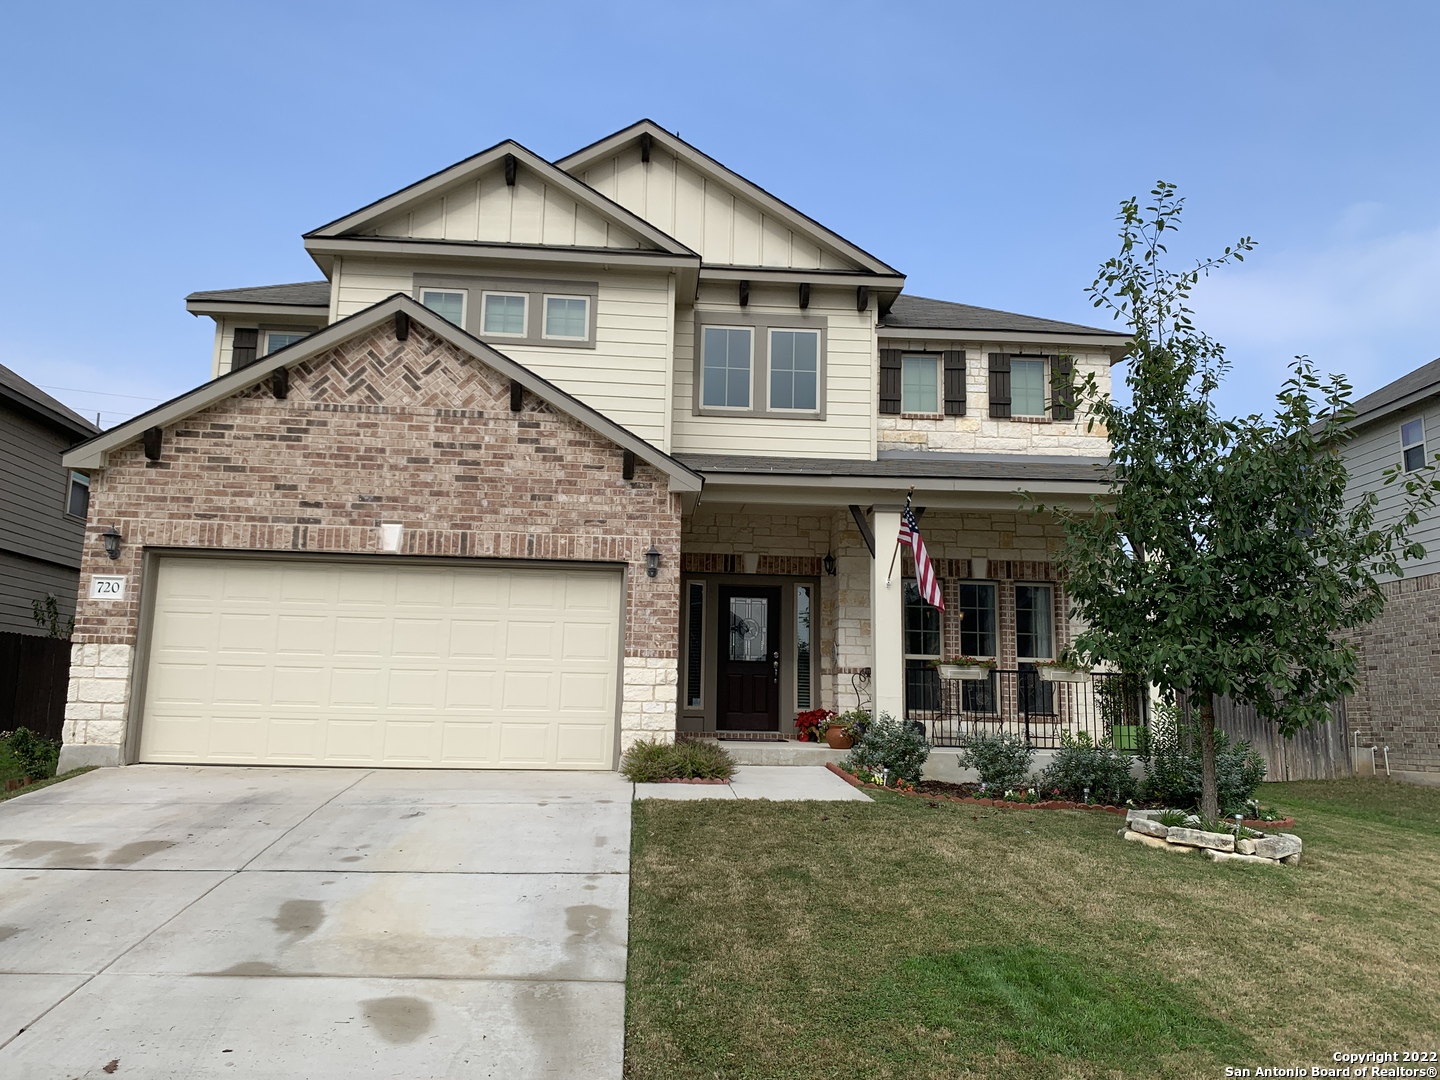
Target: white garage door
[330,663]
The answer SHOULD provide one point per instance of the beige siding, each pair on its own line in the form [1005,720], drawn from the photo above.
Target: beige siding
[975,431]
[706,215]
[486,210]
[848,430]
[225,327]
[1377,448]
[623,377]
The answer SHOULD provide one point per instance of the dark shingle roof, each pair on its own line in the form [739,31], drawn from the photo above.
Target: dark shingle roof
[300,293]
[894,466]
[923,313]
[1423,378]
[37,401]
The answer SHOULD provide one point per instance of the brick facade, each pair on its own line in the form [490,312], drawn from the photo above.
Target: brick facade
[1398,701]
[379,430]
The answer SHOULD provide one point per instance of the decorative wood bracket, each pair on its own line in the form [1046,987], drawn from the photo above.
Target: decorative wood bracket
[862,524]
[517,396]
[627,465]
[152,439]
[280,383]
[402,325]
[646,140]
[744,294]
[509,170]
[862,297]
[804,295]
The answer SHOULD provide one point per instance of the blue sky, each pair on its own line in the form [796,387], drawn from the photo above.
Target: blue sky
[155,149]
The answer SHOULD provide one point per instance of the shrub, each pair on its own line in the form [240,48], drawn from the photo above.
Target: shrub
[648,761]
[1003,761]
[34,753]
[1081,763]
[890,746]
[1172,773]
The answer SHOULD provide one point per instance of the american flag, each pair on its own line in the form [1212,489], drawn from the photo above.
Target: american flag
[924,571]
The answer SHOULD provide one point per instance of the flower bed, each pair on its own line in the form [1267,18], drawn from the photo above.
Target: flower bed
[960,793]
[688,780]
[1264,848]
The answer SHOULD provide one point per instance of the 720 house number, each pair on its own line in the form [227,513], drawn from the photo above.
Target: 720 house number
[107,587]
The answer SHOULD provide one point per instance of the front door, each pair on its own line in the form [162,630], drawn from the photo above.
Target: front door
[749,662]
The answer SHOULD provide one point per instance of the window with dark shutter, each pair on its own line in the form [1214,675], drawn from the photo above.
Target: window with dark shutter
[999,385]
[1062,387]
[955,384]
[890,381]
[244,347]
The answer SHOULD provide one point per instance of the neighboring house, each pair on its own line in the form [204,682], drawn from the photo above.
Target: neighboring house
[572,453]
[42,503]
[1397,704]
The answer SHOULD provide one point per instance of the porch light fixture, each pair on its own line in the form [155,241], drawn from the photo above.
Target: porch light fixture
[111,536]
[829,564]
[652,561]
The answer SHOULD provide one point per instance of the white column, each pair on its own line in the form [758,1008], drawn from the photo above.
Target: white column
[886,614]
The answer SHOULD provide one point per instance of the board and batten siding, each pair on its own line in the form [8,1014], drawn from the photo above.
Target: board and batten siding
[848,430]
[624,376]
[1375,448]
[34,487]
[705,215]
[486,210]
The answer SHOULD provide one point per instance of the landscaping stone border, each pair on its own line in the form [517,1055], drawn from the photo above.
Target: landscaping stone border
[1271,849]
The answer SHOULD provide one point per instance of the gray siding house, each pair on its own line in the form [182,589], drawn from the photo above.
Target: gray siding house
[42,503]
[1397,704]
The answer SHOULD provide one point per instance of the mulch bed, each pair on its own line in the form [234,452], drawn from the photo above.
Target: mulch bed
[687,780]
[948,792]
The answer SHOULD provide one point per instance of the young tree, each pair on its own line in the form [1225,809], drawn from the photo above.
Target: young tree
[1226,558]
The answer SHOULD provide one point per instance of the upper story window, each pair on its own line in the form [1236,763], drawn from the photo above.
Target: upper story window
[725,362]
[447,303]
[567,317]
[77,499]
[1032,387]
[276,340]
[919,383]
[1412,443]
[1027,387]
[505,314]
[794,369]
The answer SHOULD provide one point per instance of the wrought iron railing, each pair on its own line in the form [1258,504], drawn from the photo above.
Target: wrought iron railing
[1111,706]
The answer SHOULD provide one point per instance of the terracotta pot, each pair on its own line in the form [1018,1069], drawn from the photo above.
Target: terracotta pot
[837,738]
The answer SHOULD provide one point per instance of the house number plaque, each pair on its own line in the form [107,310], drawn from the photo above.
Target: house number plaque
[107,588]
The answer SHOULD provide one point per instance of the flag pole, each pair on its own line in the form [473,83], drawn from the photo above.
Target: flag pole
[896,553]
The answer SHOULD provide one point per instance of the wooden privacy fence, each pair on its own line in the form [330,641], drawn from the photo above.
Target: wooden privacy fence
[34,674]
[1317,753]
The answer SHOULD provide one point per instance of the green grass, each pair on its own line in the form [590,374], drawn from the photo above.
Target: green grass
[905,939]
[38,784]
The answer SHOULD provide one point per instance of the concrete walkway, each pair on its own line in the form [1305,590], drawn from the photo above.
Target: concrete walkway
[777,782]
[206,922]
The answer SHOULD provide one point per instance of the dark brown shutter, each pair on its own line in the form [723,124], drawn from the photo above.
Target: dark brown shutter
[1062,388]
[999,385]
[246,343]
[955,384]
[890,381]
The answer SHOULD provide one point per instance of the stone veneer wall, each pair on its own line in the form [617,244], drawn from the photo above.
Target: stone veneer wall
[1398,701]
[378,430]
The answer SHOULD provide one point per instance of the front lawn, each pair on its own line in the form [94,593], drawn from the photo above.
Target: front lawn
[905,939]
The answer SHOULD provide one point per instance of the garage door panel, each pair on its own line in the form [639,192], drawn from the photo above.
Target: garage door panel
[293,662]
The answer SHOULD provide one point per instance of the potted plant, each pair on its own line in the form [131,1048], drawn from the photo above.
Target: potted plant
[840,731]
[809,725]
[970,668]
[1064,669]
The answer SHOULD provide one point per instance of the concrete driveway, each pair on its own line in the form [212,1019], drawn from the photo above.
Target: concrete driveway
[198,922]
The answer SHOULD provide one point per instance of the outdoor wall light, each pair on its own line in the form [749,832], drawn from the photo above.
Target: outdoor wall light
[829,563]
[111,536]
[652,561]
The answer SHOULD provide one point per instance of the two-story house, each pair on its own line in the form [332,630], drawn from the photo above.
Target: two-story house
[560,455]
[1397,702]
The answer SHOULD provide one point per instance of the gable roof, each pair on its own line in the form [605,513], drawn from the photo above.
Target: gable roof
[922,313]
[1417,385]
[472,166]
[583,158]
[91,454]
[33,400]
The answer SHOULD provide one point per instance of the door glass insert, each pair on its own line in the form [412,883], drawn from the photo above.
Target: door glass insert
[802,646]
[749,623]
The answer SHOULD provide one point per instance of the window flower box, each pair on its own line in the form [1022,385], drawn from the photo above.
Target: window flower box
[1054,673]
[966,668]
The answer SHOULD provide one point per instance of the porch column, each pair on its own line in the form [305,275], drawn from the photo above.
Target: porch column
[886,617]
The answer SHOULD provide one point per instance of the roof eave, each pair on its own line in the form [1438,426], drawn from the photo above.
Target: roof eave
[76,425]
[1116,345]
[220,308]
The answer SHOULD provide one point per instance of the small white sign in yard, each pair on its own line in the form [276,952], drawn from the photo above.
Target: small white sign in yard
[104,587]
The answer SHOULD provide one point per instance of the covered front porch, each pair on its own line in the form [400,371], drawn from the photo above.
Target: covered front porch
[790,602]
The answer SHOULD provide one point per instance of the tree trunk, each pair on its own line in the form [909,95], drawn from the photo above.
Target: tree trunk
[1209,793]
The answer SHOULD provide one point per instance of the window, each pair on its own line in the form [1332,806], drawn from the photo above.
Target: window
[1027,387]
[977,619]
[919,384]
[794,369]
[1412,444]
[445,303]
[567,317]
[505,314]
[726,367]
[802,648]
[694,643]
[920,633]
[276,340]
[1034,617]
[77,500]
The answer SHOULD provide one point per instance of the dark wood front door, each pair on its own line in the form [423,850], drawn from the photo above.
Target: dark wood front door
[749,662]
